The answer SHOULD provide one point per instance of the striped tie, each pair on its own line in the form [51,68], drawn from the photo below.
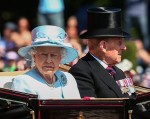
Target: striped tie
[111,70]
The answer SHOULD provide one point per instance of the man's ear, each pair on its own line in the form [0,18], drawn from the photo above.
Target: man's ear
[102,46]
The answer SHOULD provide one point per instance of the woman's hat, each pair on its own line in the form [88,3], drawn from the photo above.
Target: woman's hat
[104,22]
[51,36]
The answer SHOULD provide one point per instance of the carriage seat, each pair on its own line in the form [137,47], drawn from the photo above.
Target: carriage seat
[6,78]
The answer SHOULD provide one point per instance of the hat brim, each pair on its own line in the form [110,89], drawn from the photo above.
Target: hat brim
[70,53]
[104,33]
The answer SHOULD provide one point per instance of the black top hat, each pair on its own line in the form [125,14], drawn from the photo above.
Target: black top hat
[104,22]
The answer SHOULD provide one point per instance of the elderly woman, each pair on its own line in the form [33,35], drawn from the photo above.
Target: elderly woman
[47,51]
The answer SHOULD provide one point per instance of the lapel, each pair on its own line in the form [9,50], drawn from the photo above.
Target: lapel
[102,74]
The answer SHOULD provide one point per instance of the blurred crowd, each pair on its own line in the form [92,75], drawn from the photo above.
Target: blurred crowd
[14,36]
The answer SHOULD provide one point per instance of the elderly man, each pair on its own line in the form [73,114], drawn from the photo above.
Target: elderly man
[96,73]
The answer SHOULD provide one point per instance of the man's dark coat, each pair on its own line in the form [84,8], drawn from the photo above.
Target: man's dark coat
[94,80]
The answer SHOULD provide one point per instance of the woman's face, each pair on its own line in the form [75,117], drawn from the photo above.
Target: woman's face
[47,60]
[114,49]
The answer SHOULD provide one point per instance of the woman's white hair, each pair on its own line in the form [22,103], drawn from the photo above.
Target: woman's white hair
[33,51]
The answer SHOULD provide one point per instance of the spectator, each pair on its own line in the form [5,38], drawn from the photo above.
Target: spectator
[6,42]
[143,56]
[146,78]
[23,36]
[24,30]
[71,28]
[2,48]
[84,44]
[51,12]
[73,37]
[136,11]
[127,67]
[81,11]
[23,64]
[11,61]
[2,64]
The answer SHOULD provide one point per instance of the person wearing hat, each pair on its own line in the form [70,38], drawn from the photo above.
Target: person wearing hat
[47,51]
[96,73]
[11,61]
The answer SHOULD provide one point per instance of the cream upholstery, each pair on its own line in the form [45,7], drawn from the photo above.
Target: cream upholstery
[7,77]
[6,81]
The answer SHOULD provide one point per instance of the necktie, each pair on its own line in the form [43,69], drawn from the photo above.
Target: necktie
[111,70]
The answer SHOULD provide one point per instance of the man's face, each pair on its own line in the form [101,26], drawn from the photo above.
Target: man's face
[47,59]
[114,48]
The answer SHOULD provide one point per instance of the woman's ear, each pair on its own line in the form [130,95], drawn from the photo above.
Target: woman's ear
[33,58]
